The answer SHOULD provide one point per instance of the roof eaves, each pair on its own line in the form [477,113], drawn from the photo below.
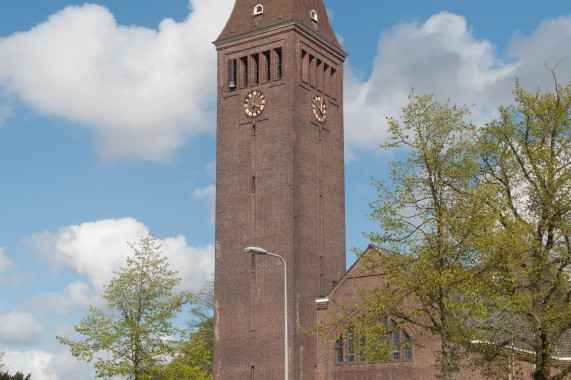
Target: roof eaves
[279,26]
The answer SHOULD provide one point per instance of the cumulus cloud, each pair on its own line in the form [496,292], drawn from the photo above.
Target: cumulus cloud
[19,329]
[7,266]
[443,57]
[5,263]
[207,194]
[143,91]
[94,250]
[77,296]
[49,365]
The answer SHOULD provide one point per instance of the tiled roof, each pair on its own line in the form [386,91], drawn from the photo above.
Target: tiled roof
[279,12]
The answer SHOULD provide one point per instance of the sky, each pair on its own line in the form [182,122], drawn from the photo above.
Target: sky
[107,132]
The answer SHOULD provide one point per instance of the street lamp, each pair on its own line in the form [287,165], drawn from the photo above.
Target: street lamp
[261,251]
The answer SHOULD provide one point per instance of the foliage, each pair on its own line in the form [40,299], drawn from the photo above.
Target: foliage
[195,358]
[477,223]
[2,365]
[17,376]
[526,157]
[433,229]
[137,332]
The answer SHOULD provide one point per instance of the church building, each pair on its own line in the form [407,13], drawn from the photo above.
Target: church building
[280,205]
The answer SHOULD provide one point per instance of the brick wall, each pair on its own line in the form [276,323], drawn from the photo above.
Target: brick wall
[280,186]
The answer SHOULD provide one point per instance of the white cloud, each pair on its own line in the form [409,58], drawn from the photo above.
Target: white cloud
[94,250]
[7,266]
[46,365]
[5,263]
[19,329]
[550,43]
[207,194]
[443,57]
[143,91]
[77,296]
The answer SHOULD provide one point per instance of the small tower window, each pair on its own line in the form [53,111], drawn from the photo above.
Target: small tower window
[258,9]
[313,14]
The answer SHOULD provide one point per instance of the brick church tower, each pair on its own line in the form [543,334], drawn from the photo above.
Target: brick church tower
[279,184]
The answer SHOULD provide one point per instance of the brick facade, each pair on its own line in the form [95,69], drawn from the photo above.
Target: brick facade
[279,185]
[421,363]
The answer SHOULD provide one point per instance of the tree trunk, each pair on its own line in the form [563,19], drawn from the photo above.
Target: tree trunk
[445,338]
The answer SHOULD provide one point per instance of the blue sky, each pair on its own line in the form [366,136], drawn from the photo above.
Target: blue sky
[107,125]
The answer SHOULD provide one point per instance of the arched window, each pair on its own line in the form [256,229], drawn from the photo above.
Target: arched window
[351,345]
[339,350]
[395,342]
[407,346]
[258,9]
[313,15]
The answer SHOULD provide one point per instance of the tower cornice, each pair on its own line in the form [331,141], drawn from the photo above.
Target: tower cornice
[296,23]
[251,17]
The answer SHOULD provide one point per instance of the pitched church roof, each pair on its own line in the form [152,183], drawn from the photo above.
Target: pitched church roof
[276,13]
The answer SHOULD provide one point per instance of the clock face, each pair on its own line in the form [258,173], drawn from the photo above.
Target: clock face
[254,103]
[319,108]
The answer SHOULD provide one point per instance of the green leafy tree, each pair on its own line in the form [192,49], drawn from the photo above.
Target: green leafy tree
[526,157]
[137,331]
[195,356]
[17,376]
[2,365]
[432,230]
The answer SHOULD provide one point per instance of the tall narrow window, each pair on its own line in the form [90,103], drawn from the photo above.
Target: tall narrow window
[351,346]
[243,73]
[327,76]
[339,350]
[279,63]
[333,83]
[312,70]
[255,69]
[266,68]
[384,347]
[253,184]
[361,339]
[304,66]
[396,342]
[319,71]
[231,74]
[407,346]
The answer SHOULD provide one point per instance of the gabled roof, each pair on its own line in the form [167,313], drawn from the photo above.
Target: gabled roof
[277,13]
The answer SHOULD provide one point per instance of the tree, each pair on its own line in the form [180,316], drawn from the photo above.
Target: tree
[526,166]
[2,365]
[137,331]
[195,358]
[432,230]
[17,376]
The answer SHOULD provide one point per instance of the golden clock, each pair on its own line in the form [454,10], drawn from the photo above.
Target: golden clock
[319,108]
[254,103]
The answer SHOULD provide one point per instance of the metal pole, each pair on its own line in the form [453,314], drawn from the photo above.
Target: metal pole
[285,316]
[261,251]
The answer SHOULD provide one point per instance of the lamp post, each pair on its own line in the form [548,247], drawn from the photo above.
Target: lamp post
[261,251]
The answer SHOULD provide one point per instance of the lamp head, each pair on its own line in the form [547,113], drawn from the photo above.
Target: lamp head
[256,251]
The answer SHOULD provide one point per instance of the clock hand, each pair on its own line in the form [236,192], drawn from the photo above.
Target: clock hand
[254,104]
